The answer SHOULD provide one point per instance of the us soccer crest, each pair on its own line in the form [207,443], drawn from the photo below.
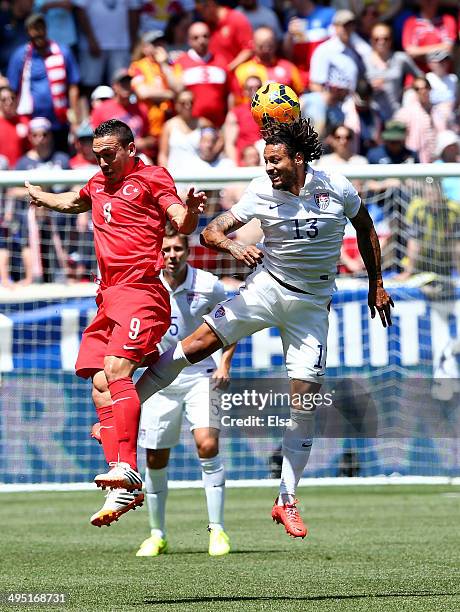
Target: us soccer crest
[322,199]
[220,312]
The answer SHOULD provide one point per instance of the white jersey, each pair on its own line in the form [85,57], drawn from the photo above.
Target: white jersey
[302,234]
[197,296]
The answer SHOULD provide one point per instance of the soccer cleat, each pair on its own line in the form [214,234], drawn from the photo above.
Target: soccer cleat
[152,547]
[96,432]
[120,476]
[117,502]
[219,542]
[289,516]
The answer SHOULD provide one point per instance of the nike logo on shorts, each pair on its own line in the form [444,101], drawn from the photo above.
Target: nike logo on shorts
[129,348]
[99,189]
[275,206]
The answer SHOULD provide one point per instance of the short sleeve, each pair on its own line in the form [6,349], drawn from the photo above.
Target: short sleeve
[351,200]
[245,209]
[218,293]
[163,188]
[85,192]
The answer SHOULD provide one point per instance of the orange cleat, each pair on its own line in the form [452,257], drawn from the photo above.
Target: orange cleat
[96,432]
[289,516]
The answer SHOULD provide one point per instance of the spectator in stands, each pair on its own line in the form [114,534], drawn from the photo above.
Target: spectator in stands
[84,156]
[46,257]
[309,26]
[13,130]
[267,65]
[393,149]
[101,94]
[45,75]
[444,94]
[153,82]
[417,114]
[448,152]
[176,35]
[181,134]
[387,71]
[6,231]
[208,158]
[343,54]
[108,31]
[13,32]
[427,32]
[326,108]
[365,117]
[121,107]
[205,75]
[231,32]
[259,16]
[60,21]
[240,129]
[342,141]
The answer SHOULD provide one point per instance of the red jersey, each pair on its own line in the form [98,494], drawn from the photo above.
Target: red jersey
[14,142]
[248,130]
[208,79]
[232,34]
[423,32]
[129,220]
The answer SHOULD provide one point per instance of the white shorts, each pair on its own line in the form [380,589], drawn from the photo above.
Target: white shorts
[302,321]
[162,414]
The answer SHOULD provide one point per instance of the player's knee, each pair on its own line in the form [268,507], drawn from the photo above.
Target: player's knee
[208,447]
[157,459]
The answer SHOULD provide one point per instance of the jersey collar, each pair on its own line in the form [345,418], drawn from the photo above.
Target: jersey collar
[185,286]
[309,176]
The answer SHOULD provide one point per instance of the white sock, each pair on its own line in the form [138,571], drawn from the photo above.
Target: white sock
[214,486]
[156,487]
[162,373]
[297,441]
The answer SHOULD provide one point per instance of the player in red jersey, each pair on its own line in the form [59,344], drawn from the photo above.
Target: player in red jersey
[130,203]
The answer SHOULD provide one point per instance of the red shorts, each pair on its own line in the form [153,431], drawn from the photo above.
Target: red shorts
[130,321]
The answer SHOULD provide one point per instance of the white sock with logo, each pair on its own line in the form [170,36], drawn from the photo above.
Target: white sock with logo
[162,373]
[156,488]
[214,486]
[297,442]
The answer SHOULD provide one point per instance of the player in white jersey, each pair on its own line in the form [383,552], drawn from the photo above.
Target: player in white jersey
[303,213]
[192,293]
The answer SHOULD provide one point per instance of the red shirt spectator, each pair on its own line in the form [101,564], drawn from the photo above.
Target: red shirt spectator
[240,129]
[14,130]
[204,75]
[231,32]
[120,107]
[428,32]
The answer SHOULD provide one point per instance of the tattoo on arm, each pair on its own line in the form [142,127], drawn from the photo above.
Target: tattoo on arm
[214,236]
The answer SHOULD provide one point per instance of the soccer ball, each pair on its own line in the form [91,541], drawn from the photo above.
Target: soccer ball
[275,101]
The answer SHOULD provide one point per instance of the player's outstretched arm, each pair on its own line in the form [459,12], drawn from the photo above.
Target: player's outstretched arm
[185,219]
[221,376]
[369,248]
[214,236]
[68,202]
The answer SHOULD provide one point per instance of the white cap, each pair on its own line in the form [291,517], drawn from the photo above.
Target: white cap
[101,92]
[40,123]
[445,139]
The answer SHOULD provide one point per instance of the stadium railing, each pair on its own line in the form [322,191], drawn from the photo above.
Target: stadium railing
[401,373]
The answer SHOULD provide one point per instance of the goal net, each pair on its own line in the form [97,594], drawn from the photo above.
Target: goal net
[399,390]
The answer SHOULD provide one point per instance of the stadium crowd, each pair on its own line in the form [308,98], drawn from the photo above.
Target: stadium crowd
[378,79]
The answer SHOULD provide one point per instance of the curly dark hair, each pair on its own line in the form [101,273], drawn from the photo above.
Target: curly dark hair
[297,136]
[117,128]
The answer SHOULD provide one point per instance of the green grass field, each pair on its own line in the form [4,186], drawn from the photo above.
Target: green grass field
[370,548]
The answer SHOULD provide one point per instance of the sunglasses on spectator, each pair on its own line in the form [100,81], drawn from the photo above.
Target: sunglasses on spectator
[376,38]
[421,88]
[343,136]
